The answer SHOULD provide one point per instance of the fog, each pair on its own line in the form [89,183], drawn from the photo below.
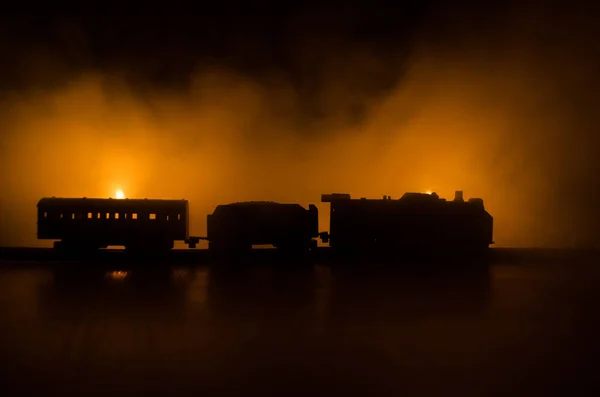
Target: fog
[502,109]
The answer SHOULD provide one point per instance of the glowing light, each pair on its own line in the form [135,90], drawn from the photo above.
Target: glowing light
[117,275]
[119,194]
[428,192]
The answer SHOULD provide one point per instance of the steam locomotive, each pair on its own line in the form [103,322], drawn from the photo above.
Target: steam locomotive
[416,220]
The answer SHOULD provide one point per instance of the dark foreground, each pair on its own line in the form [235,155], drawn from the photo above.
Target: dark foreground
[323,255]
[523,323]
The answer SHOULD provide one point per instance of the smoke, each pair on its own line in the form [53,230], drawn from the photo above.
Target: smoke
[501,107]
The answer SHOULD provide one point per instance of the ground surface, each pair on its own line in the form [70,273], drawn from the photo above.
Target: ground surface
[525,324]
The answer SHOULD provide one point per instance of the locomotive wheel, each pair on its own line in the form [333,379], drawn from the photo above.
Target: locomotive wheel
[296,248]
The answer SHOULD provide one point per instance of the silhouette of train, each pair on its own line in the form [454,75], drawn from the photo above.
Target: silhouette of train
[239,226]
[416,220]
[91,223]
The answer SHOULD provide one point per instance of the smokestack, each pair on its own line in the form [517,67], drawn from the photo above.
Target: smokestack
[458,196]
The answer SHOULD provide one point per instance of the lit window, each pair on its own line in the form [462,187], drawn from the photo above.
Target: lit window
[167,217]
[134,216]
[116,215]
[152,216]
[89,215]
[98,215]
[125,215]
[61,216]
[107,215]
[45,215]
[178,217]
[72,216]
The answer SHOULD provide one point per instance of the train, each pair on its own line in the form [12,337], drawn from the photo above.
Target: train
[236,227]
[415,220]
[418,221]
[94,223]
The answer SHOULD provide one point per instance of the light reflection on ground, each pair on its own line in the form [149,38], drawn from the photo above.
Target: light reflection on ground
[509,329]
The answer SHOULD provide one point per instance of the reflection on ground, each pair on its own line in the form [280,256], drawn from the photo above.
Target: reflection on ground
[297,329]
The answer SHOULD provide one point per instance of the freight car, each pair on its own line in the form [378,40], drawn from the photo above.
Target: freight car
[91,223]
[415,221]
[236,227]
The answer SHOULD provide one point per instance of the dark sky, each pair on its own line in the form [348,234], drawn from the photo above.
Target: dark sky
[237,102]
[296,40]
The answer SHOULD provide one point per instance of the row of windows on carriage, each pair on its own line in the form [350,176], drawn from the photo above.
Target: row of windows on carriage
[115,215]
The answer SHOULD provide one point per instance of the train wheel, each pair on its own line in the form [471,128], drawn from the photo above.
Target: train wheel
[214,247]
[167,245]
[298,249]
[233,251]
[76,247]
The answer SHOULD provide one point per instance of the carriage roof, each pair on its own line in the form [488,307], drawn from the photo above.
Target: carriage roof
[123,204]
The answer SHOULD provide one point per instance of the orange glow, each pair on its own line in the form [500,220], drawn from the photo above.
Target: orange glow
[119,194]
[491,127]
[428,192]
[117,275]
